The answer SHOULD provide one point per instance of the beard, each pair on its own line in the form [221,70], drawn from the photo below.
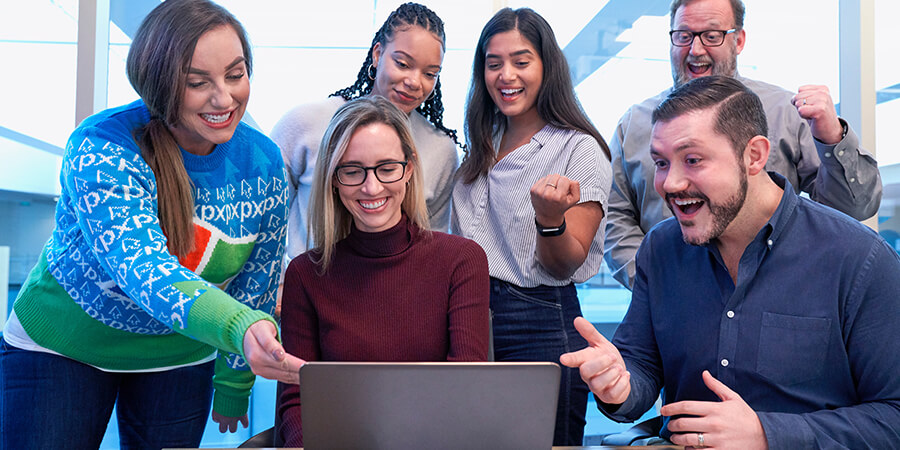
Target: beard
[722,213]
[726,67]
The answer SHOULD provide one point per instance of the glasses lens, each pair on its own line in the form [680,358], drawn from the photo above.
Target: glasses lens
[712,38]
[351,175]
[389,172]
[682,38]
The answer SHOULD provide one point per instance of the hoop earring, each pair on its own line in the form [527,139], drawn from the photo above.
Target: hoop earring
[370,72]
[433,94]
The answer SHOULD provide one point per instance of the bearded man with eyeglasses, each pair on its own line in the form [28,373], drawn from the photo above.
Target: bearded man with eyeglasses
[814,149]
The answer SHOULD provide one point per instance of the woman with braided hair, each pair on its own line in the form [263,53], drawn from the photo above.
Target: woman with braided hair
[403,65]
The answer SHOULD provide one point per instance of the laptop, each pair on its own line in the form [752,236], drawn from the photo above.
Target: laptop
[439,405]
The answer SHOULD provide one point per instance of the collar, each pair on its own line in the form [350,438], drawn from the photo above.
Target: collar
[390,242]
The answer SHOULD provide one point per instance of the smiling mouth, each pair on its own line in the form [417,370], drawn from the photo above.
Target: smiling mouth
[373,204]
[687,206]
[216,119]
[405,97]
[510,93]
[698,69]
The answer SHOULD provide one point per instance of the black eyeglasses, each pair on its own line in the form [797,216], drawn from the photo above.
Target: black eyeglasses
[386,172]
[709,38]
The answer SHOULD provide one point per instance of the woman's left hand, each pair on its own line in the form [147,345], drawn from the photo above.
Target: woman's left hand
[552,196]
[229,423]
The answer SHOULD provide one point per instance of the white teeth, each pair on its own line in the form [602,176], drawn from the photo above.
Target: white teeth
[684,202]
[372,205]
[216,118]
[510,91]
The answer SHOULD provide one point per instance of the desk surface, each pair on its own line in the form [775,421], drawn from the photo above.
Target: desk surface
[593,447]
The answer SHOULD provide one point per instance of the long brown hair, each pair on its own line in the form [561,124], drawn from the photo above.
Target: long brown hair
[157,67]
[556,102]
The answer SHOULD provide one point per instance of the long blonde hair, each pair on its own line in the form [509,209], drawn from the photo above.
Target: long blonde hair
[329,220]
[157,67]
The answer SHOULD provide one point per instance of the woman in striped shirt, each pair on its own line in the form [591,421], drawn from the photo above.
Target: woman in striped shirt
[532,192]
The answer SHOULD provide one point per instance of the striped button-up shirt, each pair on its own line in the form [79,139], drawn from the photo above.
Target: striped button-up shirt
[495,211]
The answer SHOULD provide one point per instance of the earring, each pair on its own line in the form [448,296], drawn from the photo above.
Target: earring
[370,71]
[433,94]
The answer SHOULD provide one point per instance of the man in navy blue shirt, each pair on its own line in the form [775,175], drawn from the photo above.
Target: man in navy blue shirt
[767,320]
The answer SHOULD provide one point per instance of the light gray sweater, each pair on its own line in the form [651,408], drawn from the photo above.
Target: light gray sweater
[299,133]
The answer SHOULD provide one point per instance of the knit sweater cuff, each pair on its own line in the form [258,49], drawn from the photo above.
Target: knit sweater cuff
[232,389]
[218,319]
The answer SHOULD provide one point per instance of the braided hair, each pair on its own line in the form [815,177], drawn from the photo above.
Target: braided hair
[405,15]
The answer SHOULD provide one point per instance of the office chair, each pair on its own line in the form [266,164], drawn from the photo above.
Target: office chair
[265,438]
[648,429]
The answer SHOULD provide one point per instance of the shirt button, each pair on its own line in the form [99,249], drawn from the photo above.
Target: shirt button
[770,242]
[852,179]
[730,314]
[841,153]
[724,363]
[828,154]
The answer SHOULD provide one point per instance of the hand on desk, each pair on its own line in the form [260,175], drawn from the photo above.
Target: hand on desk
[267,357]
[600,364]
[229,423]
[730,423]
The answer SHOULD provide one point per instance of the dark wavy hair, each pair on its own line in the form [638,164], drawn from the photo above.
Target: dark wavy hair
[157,66]
[739,112]
[405,15]
[556,102]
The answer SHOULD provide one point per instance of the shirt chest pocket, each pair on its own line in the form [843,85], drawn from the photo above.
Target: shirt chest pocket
[792,349]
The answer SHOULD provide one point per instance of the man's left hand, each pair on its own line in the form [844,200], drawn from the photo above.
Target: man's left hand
[229,423]
[814,104]
[730,423]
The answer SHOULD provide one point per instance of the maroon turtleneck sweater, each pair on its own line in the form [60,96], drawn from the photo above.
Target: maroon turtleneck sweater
[395,295]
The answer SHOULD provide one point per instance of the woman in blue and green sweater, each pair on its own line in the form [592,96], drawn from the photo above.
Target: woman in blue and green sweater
[167,247]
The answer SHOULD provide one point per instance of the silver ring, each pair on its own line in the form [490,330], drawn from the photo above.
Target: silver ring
[551,185]
[804,101]
[700,441]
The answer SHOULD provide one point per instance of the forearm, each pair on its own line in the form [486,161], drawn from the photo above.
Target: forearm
[868,425]
[470,307]
[562,255]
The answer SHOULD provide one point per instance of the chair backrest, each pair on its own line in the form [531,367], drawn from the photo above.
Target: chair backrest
[265,438]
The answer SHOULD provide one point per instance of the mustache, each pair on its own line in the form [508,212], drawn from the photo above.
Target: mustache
[704,59]
[686,194]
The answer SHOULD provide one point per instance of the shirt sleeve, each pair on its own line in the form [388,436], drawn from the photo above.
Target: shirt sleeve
[300,332]
[636,341]
[871,337]
[439,206]
[114,197]
[469,306]
[255,286]
[623,229]
[847,179]
[292,134]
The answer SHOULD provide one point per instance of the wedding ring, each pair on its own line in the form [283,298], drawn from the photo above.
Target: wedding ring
[700,442]
[551,185]
[804,101]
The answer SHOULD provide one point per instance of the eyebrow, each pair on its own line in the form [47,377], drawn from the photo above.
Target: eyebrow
[407,55]
[682,147]
[236,61]
[524,51]
[359,163]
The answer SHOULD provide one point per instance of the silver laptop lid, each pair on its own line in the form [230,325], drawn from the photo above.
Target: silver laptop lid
[428,405]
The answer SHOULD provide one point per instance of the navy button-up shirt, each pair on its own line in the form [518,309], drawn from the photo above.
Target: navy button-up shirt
[809,336]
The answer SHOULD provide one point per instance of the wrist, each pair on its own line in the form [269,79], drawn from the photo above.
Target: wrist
[549,231]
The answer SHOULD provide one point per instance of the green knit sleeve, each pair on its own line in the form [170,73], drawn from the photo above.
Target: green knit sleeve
[232,389]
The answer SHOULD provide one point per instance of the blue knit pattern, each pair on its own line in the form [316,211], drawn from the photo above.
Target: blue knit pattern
[109,252]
